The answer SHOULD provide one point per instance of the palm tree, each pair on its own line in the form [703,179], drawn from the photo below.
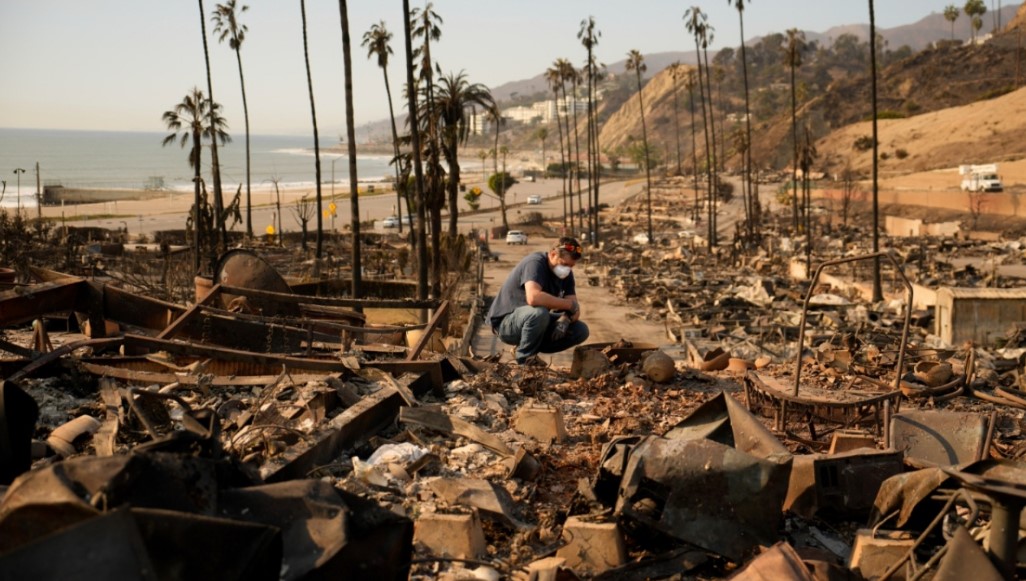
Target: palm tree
[695,23]
[418,172]
[793,59]
[317,146]
[496,116]
[377,40]
[574,76]
[975,9]
[707,39]
[951,14]
[189,121]
[555,78]
[877,286]
[227,26]
[219,220]
[589,36]
[750,192]
[636,63]
[808,156]
[354,198]
[542,134]
[425,24]
[455,96]
[677,72]
[483,155]
[689,83]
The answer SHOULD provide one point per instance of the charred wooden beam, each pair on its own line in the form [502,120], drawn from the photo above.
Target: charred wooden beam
[331,301]
[442,310]
[155,344]
[364,419]
[191,312]
[138,310]
[24,304]
[56,354]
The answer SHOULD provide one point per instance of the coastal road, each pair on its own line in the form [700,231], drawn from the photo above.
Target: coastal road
[169,213]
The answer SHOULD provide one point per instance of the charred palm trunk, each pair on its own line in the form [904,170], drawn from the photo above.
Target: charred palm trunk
[317,146]
[354,198]
[418,172]
[222,235]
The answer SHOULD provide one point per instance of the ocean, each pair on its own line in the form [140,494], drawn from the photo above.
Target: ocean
[136,160]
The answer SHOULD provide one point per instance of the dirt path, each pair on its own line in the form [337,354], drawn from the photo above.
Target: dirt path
[607,319]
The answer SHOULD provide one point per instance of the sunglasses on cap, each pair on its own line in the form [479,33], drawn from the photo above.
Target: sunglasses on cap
[573,249]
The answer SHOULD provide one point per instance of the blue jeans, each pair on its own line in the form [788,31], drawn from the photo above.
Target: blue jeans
[530,329]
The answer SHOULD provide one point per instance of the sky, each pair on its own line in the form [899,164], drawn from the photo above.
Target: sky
[119,64]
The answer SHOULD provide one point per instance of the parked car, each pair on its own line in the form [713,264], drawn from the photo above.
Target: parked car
[534,199]
[390,222]
[516,237]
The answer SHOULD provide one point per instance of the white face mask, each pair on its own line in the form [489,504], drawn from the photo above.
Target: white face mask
[561,270]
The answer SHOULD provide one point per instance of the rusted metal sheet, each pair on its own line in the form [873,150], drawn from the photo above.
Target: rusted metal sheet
[701,492]
[965,559]
[327,533]
[98,548]
[778,562]
[51,498]
[696,483]
[939,438]
[840,485]
[181,507]
[18,414]
[24,304]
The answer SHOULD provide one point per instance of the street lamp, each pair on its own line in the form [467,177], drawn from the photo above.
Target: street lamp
[18,171]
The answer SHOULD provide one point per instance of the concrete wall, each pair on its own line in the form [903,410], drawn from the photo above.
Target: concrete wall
[1006,203]
[983,321]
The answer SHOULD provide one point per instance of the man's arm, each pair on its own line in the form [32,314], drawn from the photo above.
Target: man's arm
[575,312]
[536,297]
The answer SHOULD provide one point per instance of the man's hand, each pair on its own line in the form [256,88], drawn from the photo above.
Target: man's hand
[561,327]
[574,311]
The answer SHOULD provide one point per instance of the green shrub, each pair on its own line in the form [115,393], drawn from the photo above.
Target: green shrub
[997,92]
[887,114]
[900,153]
[863,143]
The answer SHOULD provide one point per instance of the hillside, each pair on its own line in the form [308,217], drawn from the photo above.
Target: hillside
[982,132]
[917,35]
[950,75]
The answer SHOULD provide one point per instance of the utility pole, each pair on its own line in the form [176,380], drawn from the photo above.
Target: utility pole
[18,171]
[39,199]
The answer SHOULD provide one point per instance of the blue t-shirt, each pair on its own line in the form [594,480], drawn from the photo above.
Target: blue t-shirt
[513,295]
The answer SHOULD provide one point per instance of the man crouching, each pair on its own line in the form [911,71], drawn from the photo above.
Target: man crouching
[536,308]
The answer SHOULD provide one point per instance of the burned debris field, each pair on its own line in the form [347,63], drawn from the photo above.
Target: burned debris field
[784,426]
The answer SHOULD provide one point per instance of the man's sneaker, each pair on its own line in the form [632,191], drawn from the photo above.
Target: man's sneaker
[532,361]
